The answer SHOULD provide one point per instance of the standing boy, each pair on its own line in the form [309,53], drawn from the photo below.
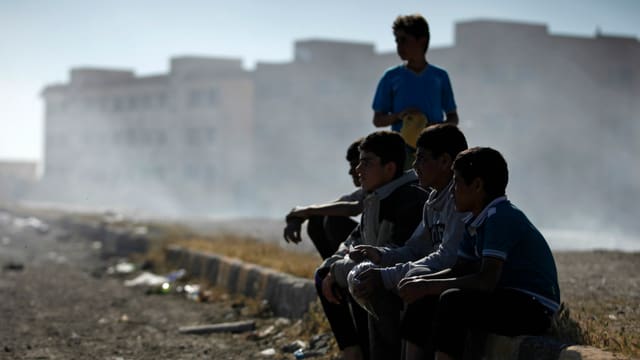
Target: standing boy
[433,245]
[391,212]
[505,280]
[416,93]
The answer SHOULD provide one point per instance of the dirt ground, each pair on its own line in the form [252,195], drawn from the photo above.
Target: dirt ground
[58,303]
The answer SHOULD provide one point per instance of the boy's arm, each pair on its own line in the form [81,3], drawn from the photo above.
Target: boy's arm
[337,208]
[486,279]
[382,120]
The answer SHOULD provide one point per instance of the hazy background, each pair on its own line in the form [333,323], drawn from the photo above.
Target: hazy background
[41,40]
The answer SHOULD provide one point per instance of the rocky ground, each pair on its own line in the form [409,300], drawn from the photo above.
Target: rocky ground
[57,302]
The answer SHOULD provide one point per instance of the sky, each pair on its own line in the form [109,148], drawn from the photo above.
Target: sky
[41,40]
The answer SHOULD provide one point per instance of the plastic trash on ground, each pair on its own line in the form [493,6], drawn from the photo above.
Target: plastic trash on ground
[146,279]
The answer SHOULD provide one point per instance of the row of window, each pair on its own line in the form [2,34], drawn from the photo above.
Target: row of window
[197,136]
[195,98]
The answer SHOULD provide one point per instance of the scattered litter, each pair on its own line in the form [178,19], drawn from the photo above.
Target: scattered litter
[12,266]
[305,354]
[176,275]
[31,222]
[268,352]
[613,317]
[293,346]
[192,291]
[96,245]
[233,327]
[266,332]
[124,318]
[146,279]
[281,322]
[123,267]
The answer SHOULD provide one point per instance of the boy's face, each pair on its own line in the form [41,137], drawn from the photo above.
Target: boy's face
[432,172]
[372,173]
[468,197]
[408,46]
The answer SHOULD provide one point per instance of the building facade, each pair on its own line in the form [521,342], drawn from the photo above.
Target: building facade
[170,143]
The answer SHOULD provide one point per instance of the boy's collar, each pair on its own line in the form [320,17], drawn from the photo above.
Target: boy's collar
[436,196]
[386,189]
[489,210]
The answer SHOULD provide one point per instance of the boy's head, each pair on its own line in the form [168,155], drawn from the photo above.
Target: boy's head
[411,31]
[481,175]
[437,147]
[353,157]
[382,155]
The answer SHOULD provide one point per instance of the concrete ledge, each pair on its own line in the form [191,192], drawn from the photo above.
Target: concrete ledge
[287,295]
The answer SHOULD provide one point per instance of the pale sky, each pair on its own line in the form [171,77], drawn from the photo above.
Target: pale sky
[40,40]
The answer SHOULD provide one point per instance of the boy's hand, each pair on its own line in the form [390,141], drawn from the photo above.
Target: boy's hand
[292,230]
[356,254]
[369,281]
[369,252]
[328,285]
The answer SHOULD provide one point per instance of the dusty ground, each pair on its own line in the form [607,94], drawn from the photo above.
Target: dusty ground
[61,305]
[58,303]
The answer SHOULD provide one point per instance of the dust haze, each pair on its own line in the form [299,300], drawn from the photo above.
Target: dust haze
[211,139]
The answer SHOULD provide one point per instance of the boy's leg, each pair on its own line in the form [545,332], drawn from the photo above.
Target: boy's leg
[504,311]
[416,327]
[337,229]
[340,318]
[327,232]
[384,332]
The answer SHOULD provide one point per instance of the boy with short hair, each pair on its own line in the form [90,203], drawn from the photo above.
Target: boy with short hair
[391,212]
[433,246]
[505,280]
[416,93]
[329,224]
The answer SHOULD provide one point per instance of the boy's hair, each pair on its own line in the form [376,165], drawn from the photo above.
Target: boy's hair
[484,163]
[442,139]
[353,152]
[388,146]
[415,25]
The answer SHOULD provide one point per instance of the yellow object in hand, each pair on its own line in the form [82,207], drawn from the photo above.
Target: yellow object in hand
[412,125]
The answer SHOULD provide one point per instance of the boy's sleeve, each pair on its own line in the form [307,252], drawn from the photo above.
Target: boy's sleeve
[448,101]
[383,98]
[418,245]
[467,248]
[499,236]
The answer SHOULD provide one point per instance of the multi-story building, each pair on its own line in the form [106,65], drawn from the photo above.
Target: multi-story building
[168,143]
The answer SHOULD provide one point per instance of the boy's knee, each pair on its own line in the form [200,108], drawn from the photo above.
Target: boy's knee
[419,271]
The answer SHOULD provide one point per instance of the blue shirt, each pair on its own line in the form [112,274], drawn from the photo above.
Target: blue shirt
[503,231]
[401,89]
